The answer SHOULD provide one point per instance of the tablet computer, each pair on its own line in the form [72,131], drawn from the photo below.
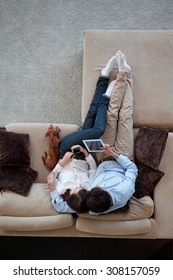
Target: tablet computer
[93,145]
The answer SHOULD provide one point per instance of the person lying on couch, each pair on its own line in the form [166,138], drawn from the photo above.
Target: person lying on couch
[70,178]
[109,195]
[114,182]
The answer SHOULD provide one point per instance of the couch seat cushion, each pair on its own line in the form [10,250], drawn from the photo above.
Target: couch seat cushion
[31,213]
[135,220]
[34,224]
[37,203]
[138,209]
[114,228]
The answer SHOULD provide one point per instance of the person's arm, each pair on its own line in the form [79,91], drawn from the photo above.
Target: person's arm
[91,162]
[107,149]
[59,204]
[92,166]
[130,167]
[62,162]
[57,169]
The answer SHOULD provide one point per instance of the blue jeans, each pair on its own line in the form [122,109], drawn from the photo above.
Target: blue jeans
[95,121]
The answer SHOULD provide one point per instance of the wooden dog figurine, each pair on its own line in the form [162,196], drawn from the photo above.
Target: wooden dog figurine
[50,159]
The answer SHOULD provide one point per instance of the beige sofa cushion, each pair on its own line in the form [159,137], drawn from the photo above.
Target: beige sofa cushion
[138,209]
[31,213]
[39,143]
[32,224]
[114,227]
[134,221]
[149,54]
[37,203]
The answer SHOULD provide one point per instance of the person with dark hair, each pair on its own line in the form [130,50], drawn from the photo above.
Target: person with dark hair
[69,180]
[98,200]
[113,184]
[76,199]
[114,181]
[71,177]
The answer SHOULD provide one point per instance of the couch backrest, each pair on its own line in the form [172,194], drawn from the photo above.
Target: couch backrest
[39,143]
[150,55]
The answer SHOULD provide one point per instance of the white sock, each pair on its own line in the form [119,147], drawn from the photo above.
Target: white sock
[110,88]
[122,62]
[109,66]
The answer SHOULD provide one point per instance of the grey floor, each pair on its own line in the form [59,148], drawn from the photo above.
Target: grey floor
[41,50]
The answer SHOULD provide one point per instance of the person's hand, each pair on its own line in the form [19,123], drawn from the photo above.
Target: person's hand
[82,149]
[68,157]
[107,149]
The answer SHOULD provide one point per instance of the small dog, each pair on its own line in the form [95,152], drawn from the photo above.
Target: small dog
[50,159]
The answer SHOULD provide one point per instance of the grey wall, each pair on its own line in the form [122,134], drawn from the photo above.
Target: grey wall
[41,49]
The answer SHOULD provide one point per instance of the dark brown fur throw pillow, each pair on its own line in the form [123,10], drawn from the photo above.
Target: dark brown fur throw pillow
[146,181]
[149,147]
[15,171]
[14,149]
[17,179]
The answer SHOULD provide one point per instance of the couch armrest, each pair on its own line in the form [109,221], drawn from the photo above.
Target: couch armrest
[163,194]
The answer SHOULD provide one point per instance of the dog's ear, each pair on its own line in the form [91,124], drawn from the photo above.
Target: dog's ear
[57,132]
[49,130]
[58,129]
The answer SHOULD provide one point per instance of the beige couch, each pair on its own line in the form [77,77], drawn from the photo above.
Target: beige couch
[149,53]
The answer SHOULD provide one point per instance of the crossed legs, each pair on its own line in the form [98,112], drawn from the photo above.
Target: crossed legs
[119,127]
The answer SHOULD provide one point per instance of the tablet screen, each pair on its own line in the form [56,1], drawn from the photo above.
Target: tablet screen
[94,145]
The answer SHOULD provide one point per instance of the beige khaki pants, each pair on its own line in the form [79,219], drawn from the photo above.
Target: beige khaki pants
[119,127]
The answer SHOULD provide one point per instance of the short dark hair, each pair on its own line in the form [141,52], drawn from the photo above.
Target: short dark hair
[76,201]
[98,200]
